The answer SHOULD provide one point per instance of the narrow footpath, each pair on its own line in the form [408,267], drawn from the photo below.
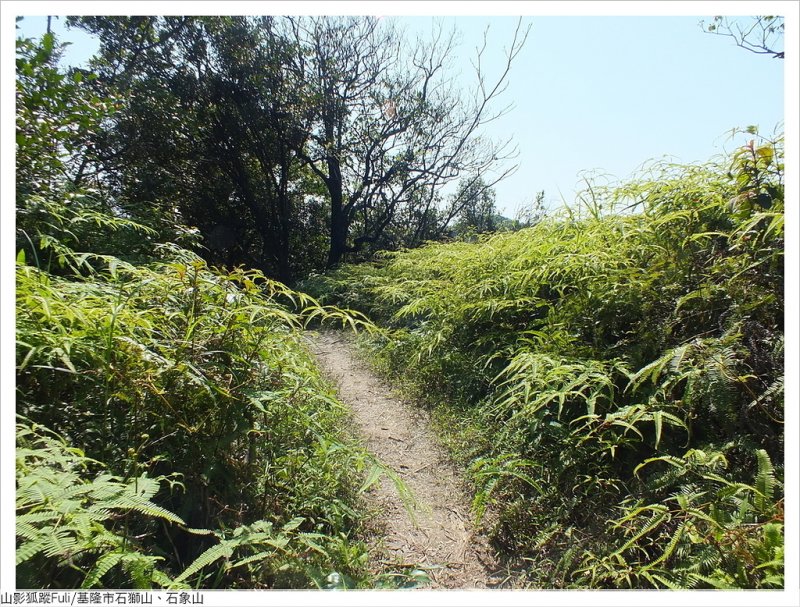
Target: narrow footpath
[440,538]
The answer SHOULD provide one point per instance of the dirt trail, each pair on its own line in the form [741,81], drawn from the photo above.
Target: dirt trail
[441,539]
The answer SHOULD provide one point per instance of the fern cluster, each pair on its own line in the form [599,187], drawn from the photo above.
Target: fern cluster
[645,322]
[174,369]
[81,526]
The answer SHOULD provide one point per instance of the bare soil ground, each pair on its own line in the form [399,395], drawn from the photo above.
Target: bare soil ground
[437,535]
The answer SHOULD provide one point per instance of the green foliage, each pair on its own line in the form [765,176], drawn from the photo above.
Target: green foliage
[62,202]
[188,419]
[80,529]
[57,114]
[477,207]
[275,558]
[172,368]
[88,528]
[711,532]
[645,321]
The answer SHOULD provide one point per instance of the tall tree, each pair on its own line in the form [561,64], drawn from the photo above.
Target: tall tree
[237,122]
[390,129]
[477,203]
[59,205]
[211,125]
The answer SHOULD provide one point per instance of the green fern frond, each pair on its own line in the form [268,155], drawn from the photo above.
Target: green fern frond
[142,506]
[718,580]
[676,537]
[162,580]
[27,550]
[140,568]
[60,542]
[765,482]
[104,564]
[223,550]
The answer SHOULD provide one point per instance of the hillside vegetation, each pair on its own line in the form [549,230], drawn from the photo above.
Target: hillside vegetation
[612,376]
[172,430]
[192,418]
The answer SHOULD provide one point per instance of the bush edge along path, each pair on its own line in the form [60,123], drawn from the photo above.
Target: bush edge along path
[424,521]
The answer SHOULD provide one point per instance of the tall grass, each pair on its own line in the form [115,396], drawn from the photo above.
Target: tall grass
[613,375]
[171,370]
[174,370]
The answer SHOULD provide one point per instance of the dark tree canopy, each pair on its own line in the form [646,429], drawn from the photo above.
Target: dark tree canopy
[292,142]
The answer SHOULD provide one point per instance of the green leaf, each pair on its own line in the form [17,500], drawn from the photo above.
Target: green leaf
[657,421]
[293,524]
[374,475]
[765,481]
[219,551]
[101,567]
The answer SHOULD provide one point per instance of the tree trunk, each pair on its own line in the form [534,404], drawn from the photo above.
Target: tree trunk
[284,227]
[340,221]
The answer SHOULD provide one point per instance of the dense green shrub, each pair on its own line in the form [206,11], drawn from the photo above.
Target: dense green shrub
[174,429]
[645,324]
[79,526]
[175,370]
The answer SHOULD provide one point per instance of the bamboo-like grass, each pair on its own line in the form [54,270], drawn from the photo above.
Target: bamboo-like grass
[644,325]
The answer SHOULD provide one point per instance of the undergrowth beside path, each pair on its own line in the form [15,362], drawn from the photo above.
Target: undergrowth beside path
[196,445]
[422,523]
[612,377]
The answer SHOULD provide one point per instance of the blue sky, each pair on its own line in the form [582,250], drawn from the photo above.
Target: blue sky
[598,94]
[609,93]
